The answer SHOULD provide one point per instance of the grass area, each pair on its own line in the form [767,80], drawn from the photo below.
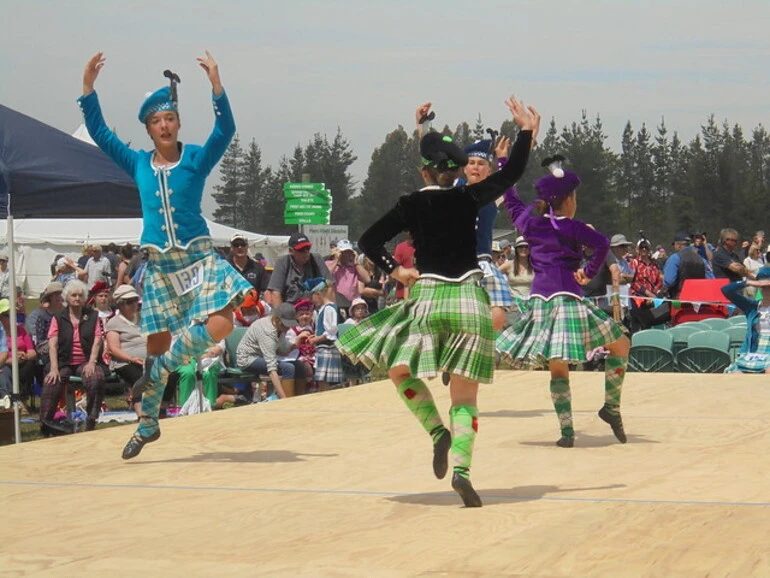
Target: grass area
[31,431]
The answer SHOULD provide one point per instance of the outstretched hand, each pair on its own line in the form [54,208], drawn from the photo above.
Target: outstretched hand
[211,67]
[502,146]
[527,118]
[91,72]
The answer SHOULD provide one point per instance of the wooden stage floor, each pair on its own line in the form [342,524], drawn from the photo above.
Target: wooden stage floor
[340,484]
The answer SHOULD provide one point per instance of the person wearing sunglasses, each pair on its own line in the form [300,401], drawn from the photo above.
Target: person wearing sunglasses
[292,270]
[239,258]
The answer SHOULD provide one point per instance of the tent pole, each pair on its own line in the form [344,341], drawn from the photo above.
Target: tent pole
[13,352]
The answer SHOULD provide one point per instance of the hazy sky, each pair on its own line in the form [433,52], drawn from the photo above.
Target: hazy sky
[293,68]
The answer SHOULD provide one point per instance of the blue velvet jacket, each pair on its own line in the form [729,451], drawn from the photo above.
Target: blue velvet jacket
[170,196]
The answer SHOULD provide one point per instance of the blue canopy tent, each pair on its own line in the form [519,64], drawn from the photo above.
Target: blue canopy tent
[46,173]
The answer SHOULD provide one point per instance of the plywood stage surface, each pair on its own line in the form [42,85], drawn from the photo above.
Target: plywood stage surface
[340,484]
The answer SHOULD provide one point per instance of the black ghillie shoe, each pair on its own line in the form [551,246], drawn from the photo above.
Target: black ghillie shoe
[441,454]
[445,378]
[566,442]
[616,423]
[136,443]
[463,487]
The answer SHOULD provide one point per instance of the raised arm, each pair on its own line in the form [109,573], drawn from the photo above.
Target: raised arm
[224,123]
[104,138]
[528,121]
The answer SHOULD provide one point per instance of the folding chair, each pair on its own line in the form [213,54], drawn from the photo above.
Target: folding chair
[651,351]
[706,352]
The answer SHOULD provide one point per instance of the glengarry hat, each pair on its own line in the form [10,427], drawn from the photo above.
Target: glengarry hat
[440,152]
[157,101]
[481,148]
[315,284]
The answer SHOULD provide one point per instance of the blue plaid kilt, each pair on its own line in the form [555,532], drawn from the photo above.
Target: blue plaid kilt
[564,328]
[442,326]
[496,285]
[164,310]
[754,362]
[328,364]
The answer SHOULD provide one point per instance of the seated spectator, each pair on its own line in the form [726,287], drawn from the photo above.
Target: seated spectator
[685,263]
[305,326]
[250,309]
[31,320]
[25,350]
[99,298]
[292,270]
[5,276]
[519,271]
[264,341]
[67,270]
[726,262]
[354,373]
[54,305]
[647,283]
[74,343]
[209,365]
[753,263]
[754,355]
[328,361]
[127,345]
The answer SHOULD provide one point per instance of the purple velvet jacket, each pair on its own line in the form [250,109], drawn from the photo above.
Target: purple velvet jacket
[556,253]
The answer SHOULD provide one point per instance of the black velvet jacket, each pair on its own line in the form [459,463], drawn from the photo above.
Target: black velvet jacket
[443,220]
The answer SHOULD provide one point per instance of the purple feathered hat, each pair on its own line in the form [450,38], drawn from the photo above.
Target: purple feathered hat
[557,185]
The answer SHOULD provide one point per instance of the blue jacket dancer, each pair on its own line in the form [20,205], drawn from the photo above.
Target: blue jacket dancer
[754,355]
[188,289]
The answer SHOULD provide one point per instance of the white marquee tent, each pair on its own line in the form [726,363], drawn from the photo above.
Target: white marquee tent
[38,241]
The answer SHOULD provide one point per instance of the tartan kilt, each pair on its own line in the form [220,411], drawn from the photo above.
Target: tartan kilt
[164,310]
[564,328]
[328,364]
[442,326]
[496,285]
[754,362]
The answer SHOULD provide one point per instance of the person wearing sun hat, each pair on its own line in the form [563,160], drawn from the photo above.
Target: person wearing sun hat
[127,345]
[561,327]
[444,325]
[189,289]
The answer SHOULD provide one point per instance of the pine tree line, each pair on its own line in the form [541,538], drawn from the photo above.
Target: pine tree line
[656,183]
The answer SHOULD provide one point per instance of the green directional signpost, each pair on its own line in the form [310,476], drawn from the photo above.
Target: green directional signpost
[307,204]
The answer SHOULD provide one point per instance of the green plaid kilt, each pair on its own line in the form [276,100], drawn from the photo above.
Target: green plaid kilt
[564,328]
[443,326]
[164,310]
[754,362]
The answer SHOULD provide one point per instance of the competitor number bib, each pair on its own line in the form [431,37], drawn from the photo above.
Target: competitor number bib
[187,279]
